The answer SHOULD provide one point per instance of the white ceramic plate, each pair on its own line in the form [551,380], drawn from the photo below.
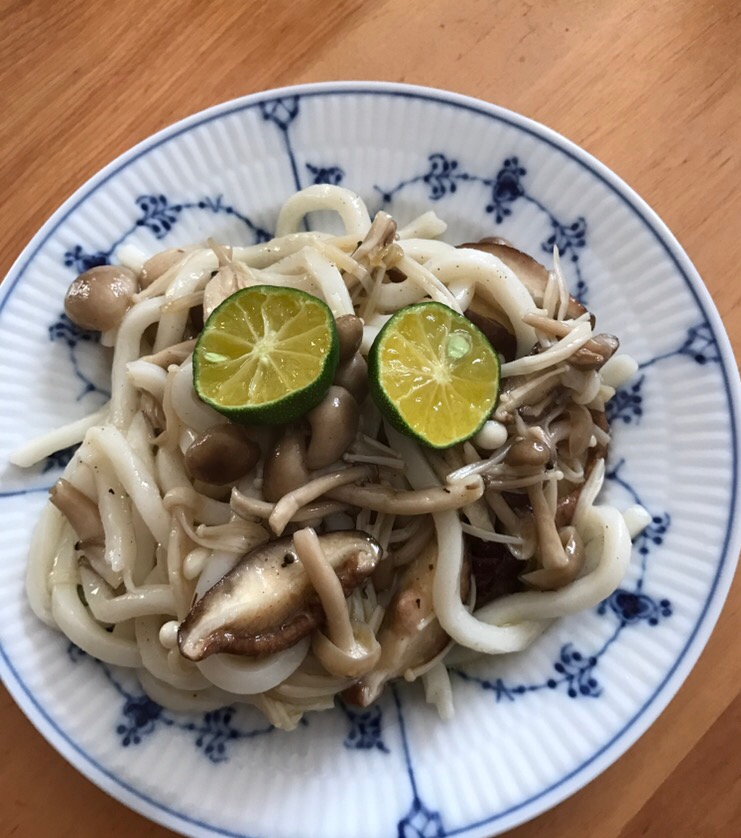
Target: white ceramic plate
[530,729]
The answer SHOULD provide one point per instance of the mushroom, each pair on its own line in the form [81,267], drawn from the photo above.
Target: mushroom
[334,424]
[567,504]
[592,355]
[525,391]
[552,578]
[225,282]
[494,569]
[221,454]
[285,465]
[352,374]
[82,513]
[550,548]
[290,503]
[529,271]
[153,412]
[380,498]
[175,354]
[267,602]
[84,517]
[495,326]
[410,634]
[527,452]
[350,649]
[595,353]
[349,335]
[379,238]
[99,298]
[156,265]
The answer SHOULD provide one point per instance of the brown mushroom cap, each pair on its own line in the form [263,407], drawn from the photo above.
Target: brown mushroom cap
[80,511]
[352,374]
[334,423]
[222,454]
[285,465]
[266,603]
[349,335]
[99,298]
[527,452]
[595,353]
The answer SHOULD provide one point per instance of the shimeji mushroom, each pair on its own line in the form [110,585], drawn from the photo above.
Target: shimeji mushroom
[285,465]
[334,423]
[221,454]
[84,517]
[349,335]
[99,298]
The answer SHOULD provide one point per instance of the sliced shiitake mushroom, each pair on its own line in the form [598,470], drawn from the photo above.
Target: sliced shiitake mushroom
[266,603]
[494,569]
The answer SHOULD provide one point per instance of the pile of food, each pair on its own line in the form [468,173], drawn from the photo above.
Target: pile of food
[330,461]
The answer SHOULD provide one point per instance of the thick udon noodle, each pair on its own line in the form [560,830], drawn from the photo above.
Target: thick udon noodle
[167,539]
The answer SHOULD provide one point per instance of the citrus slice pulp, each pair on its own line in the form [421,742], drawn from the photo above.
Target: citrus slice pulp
[433,374]
[266,355]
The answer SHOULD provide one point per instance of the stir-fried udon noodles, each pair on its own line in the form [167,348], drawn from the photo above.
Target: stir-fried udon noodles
[284,566]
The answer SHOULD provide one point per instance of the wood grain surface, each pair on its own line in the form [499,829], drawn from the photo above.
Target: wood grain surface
[653,89]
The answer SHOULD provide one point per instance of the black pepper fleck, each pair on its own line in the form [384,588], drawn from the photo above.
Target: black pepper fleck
[289,558]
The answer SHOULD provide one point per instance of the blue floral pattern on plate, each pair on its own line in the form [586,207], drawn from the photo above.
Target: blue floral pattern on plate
[574,673]
[505,188]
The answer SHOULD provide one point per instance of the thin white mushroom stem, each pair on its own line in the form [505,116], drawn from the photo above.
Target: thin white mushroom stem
[414,502]
[560,351]
[327,585]
[348,663]
[414,545]
[289,504]
[205,509]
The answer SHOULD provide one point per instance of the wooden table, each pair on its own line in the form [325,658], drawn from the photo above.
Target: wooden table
[652,89]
